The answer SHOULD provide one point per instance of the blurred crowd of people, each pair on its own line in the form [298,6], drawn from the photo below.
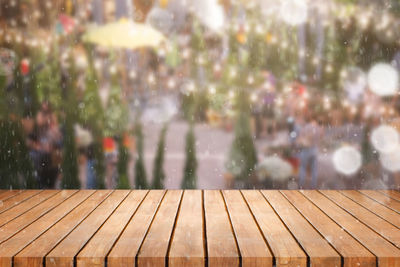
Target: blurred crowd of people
[45,143]
[316,126]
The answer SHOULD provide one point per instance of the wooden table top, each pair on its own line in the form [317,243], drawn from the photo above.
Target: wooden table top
[199,228]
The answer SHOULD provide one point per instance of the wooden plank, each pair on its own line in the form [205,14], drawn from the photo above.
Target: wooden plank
[11,247]
[379,225]
[34,253]
[384,200]
[377,208]
[253,249]
[25,206]
[17,199]
[221,244]
[187,244]
[353,253]
[96,250]
[127,246]
[63,254]
[19,223]
[387,253]
[9,193]
[284,247]
[391,193]
[154,249]
[321,254]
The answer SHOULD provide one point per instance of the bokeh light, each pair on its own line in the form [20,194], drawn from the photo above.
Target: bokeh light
[294,12]
[385,138]
[383,79]
[347,160]
[391,161]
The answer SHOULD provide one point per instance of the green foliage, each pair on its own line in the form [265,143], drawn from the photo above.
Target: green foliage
[122,165]
[140,170]
[257,51]
[243,156]
[116,113]
[158,170]
[92,115]
[91,111]
[200,105]
[197,41]
[188,102]
[9,155]
[16,167]
[47,80]
[14,98]
[3,99]
[190,170]
[69,166]
[99,164]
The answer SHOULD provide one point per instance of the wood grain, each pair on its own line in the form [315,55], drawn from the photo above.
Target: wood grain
[377,224]
[17,199]
[319,251]
[284,247]
[199,228]
[96,250]
[353,253]
[391,193]
[20,209]
[35,252]
[377,208]
[253,249]
[386,252]
[384,200]
[221,244]
[19,223]
[11,247]
[187,246]
[153,251]
[63,254]
[127,246]
[9,193]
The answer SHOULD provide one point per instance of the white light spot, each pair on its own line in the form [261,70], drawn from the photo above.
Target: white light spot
[391,161]
[383,79]
[347,160]
[294,12]
[385,138]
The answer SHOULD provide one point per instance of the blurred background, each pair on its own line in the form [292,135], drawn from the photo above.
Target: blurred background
[200,94]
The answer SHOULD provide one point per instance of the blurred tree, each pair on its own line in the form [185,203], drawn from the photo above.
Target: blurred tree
[190,170]
[122,165]
[140,170]
[200,68]
[257,51]
[69,166]
[158,169]
[116,112]
[15,93]
[8,156]
[92,115]
[243,157]
[24,161]
[16,166]
[47,79]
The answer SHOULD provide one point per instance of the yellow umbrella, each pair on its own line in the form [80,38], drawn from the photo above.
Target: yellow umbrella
[124,34]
